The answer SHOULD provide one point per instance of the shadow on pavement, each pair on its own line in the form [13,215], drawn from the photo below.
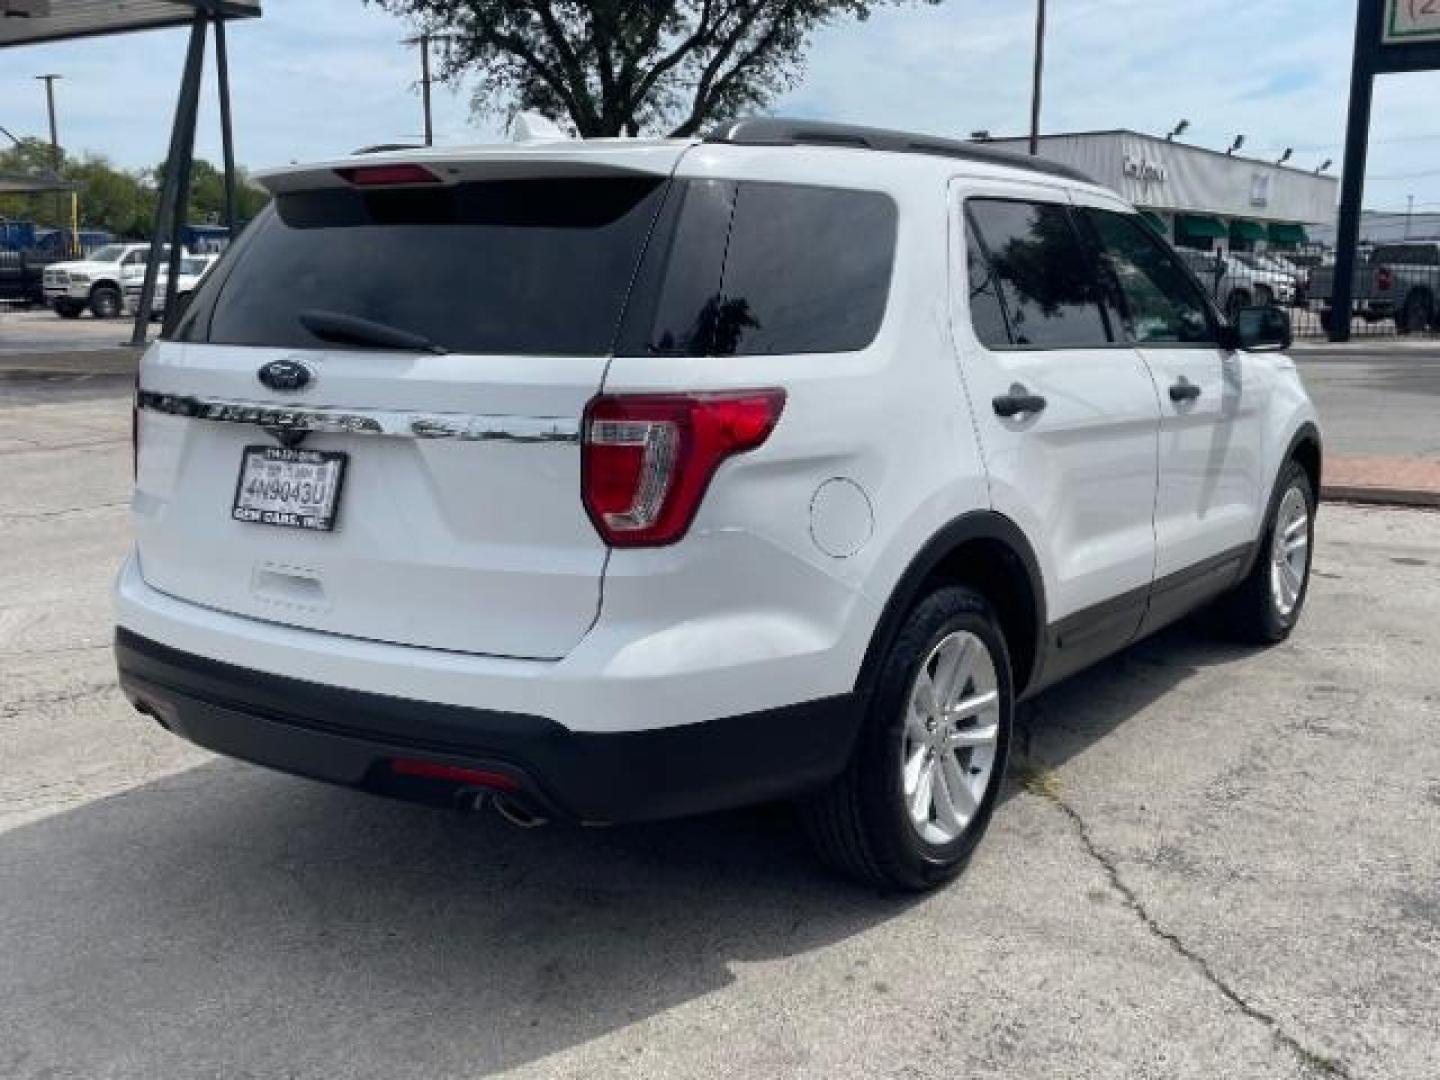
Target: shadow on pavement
[230,921]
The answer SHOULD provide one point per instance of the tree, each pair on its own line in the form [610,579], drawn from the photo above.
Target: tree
[624,66]
[117,200]
[207,193]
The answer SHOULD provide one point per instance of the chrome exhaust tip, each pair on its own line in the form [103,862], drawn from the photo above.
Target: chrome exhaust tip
[517,813]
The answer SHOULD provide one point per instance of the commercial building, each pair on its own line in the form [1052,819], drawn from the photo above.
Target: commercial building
[1199,198]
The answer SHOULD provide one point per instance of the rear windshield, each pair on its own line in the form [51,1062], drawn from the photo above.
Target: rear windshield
[1407,254]
[528,267]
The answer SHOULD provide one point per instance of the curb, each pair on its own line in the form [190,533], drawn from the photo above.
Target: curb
[118,360]
[1378,496]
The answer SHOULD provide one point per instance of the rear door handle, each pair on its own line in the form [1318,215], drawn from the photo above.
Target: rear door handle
[1184,391]
[1017,401]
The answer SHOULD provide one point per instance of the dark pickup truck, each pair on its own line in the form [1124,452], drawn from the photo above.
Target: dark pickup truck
[1396,281]
[20,277]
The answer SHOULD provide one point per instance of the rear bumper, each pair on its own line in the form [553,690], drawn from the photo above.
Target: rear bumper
[352,737]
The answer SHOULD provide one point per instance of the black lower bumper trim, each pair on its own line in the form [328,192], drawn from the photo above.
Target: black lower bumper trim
[351,737]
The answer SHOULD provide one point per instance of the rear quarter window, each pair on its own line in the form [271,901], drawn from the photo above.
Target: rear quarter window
[756,269]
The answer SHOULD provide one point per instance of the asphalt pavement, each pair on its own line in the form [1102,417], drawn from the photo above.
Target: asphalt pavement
[1212,861]
[1376,398]
[42,331]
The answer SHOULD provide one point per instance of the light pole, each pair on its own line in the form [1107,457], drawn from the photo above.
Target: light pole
[1038,79]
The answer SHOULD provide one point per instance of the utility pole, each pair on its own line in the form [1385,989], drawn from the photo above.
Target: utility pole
[423,40]
[49,81]
[1039,77]
[1409,213]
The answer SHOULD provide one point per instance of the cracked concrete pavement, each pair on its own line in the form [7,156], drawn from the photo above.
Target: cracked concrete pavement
[1212,861]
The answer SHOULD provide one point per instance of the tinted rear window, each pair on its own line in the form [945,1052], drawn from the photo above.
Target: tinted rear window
[528,267]
[1407,255]
[752,269]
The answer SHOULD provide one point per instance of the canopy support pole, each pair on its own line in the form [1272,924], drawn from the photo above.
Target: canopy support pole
[174,192]
[227,138]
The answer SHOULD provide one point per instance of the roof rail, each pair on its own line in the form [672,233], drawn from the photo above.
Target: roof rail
[778,131]
[385,148]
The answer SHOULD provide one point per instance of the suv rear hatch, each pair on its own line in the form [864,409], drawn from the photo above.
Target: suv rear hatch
[441,324]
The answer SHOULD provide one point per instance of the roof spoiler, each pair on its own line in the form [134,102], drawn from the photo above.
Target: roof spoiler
[457,165]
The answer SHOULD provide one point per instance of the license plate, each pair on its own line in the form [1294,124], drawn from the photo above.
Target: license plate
[296,489]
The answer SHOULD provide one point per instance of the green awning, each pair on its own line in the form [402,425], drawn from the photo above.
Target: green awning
[1287,233]
[1193,227]
[1247,230]
[1156,220]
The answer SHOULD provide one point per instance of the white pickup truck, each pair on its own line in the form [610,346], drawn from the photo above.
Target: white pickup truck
[96,282]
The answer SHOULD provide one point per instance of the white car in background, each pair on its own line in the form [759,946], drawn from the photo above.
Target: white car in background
[193,269]
[1236,284]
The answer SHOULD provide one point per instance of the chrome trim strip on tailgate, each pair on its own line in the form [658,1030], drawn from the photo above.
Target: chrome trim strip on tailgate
[412,425]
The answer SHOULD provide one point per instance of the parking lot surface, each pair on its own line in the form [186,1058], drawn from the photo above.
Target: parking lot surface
[41,330]
[1212,862]
[1376,397]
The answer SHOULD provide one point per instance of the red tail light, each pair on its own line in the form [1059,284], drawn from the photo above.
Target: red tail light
[648,458]
[384,175]
[1384,279]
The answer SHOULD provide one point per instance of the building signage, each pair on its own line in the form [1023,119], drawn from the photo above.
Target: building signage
[1147,171]
[1408,21]
[1260,189]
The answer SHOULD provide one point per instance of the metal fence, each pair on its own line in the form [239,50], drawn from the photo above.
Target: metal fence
[1397,288]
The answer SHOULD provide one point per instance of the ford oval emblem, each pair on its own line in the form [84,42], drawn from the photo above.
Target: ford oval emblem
[286,375]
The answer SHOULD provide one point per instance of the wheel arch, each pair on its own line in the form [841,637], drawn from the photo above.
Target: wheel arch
[988,552]
[1307,448]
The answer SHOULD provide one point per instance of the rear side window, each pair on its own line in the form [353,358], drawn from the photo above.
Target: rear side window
[519,267]
[754,269]
[1048,285]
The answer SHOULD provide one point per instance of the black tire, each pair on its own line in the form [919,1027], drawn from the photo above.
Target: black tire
[1416,314]
[68,311]
[106,302]
[1253,612]
[860,825]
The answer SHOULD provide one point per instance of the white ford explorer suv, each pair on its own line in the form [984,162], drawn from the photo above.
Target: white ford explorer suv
[605,481]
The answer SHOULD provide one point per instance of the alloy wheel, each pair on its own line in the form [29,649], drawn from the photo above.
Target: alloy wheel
[1290,551]
[952,728]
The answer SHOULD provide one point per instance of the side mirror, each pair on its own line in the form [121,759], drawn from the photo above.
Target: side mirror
[1262,329]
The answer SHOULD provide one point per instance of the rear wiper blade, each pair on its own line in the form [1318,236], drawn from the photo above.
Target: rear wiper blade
[352,330]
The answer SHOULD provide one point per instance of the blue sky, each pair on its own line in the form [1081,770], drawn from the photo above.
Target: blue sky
[320,77]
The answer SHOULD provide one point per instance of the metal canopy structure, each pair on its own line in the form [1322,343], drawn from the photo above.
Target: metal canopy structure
[34,22]
[13,184]
[31,22]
